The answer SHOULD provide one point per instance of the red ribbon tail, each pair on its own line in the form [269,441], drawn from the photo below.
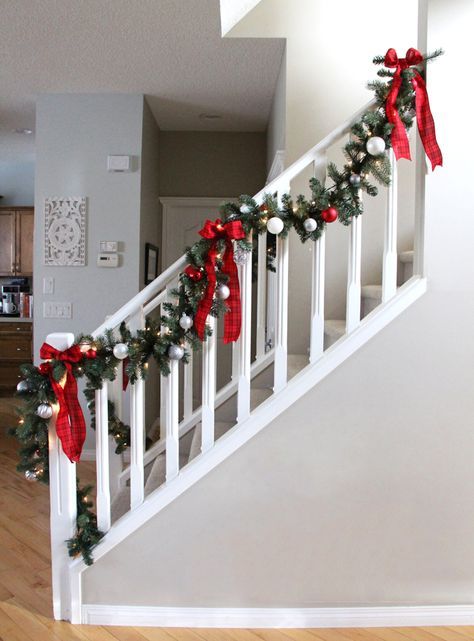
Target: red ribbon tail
[70,423]
[400,144]
[233,318]
[205,305]
[425,122]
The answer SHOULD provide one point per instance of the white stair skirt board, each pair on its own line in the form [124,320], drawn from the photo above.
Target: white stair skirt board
[350,617]
[240,434]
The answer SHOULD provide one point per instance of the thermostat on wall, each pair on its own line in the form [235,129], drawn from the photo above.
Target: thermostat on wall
[107,260]
[118,163]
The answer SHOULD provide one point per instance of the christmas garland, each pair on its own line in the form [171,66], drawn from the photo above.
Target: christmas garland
[208,281]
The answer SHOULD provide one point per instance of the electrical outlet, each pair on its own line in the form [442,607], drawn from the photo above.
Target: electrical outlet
[57,310]
[48,285]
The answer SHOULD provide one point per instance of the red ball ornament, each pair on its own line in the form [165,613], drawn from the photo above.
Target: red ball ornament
[193,273]
[43,368]
[329,215]
[91,353]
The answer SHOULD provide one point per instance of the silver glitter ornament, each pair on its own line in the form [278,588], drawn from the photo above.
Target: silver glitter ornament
[310,225]
[44,410]
[185,322]
[175,352]
[222,292]
[22,387]
[31,476]
[120,351]
[354,179]
[245,209]
[240,256]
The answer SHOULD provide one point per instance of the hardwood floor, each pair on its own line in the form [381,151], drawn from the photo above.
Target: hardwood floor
[25,583]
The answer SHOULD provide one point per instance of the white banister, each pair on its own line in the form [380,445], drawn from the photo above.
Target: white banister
[390,254]
[188,387]
[281,314]
[261,295]
[137,437]
[244,341]
[354,273]
[63,508]
[102,457]
[172,422]
[209,386]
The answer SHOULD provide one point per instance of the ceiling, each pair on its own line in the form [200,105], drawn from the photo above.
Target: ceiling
[170,50]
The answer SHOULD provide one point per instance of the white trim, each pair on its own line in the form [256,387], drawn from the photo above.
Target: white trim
[350,617]
[299,385]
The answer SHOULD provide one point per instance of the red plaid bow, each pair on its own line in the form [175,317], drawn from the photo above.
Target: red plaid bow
[228,232]
[424,118]
[70,424]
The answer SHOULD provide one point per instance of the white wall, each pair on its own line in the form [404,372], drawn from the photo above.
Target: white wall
[360,494]
[17,183]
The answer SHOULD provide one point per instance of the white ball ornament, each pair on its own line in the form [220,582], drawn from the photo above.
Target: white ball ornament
[375,146]
[222,292]
[275,225]
[44,410]
[31,476]
[310,225]
[185,322]
[120,351]
[175,352]
[22,387]
[245,209]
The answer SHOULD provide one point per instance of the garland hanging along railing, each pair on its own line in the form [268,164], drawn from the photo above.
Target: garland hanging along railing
[209,281]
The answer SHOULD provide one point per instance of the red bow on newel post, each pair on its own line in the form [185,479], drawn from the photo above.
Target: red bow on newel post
[216,231]
[70,423]
[424,118]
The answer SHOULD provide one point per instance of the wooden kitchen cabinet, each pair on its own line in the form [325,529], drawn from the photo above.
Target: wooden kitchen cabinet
[16,340]
[16,241]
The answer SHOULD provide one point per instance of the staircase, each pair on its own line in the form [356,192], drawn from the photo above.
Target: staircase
[196,437]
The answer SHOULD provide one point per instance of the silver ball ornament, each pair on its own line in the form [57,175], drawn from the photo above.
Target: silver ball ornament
[240,256]
[44,410]
[222,292]
[31,476]
[310,225]
[245,209]
[185,322]
[22,387]
[120,351]
[375,146]
[355,179]
[275,225]
[175,352]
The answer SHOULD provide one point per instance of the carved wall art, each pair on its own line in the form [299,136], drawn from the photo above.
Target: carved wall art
[65,231]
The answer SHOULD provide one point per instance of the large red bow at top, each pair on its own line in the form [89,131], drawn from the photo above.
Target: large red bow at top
[70,424]
[424,118]
[228,232]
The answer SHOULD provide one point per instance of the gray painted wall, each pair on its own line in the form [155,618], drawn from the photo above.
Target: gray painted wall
[362,492]
[17,183]
[276,130]
[201,163]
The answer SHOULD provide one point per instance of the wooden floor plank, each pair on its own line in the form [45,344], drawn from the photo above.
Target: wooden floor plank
[446,633]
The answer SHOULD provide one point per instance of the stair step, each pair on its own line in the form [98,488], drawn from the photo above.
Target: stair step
[406,257]
[296,362]
[334,328]
[373,292]
[220,428]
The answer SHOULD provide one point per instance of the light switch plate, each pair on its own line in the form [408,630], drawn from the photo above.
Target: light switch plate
[48,285]
[57,310]
[110,246]
[118,163]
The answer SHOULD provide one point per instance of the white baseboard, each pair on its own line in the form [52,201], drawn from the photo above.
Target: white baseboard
[352,617]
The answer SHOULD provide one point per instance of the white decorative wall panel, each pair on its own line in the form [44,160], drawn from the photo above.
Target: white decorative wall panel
[65,231]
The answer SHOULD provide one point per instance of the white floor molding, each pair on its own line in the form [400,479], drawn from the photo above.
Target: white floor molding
[363,617]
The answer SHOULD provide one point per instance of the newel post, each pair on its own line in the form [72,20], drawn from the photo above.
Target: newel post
[63,510]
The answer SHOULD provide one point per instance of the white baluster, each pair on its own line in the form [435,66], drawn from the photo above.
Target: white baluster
[208,386]
[137,429]
[261,296]
[172,422]
[235,362]
[188,387]
[281,316]
[317,299]
[63,505]
[390,255]
[244,341]
[354,274]
[102,457]
[115,460]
